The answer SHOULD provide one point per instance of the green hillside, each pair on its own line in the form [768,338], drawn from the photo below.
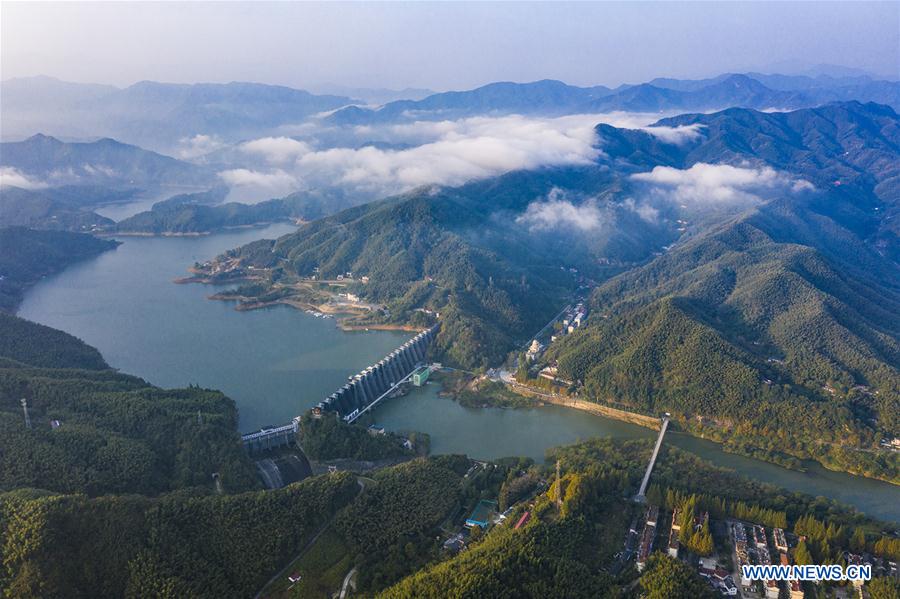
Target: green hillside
[116,433]
[765,340]
[174,546]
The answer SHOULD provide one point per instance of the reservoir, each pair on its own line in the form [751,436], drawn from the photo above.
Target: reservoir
[274,363]
[277,362]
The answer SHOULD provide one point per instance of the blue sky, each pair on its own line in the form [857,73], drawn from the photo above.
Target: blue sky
[439,45]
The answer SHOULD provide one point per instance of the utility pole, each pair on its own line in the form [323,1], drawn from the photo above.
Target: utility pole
[558,487]
[25,410]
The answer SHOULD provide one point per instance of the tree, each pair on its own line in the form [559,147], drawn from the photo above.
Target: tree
[802,555]
[858,540]
[666,578]
[884,588]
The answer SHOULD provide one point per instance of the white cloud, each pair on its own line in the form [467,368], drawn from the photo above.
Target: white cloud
[98,170]
[705,183]
[442,152]
[451,152]
[267,184]
[198,145]
[16,178]
[277,150]
[557,212]
[645,211]
[677,135]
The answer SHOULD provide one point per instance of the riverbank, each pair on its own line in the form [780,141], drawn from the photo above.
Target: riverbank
[796,464]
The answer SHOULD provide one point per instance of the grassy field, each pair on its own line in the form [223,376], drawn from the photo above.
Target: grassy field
[323,568]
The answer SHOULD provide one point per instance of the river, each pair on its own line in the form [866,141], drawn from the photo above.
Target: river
[277,362]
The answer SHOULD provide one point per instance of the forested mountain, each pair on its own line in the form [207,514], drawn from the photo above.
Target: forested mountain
[96,431]
[488,255]
[466,253]
[548,97]
[45,160]
[779,325]
[775,304]
[27,255]
[201,213]
[388,527]
[173,546]
[44,209]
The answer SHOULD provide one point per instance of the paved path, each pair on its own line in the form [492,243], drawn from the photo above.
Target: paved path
[362,485]
[347,582]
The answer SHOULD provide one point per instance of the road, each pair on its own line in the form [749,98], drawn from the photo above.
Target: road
[361,481]
[347,582]
[544,328]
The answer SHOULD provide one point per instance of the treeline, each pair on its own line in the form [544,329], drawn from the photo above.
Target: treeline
[718,490]
[827,540]
[37,345]
[328,438]
[94,430]
[177,546]
[716,506]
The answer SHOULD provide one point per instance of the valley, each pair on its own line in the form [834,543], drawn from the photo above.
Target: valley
[318,301]
[273,377]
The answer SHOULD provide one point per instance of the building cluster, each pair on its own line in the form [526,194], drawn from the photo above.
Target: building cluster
[574,318]
[761,549]
[741,552]
[717,576]
[892,444]
[674,534]
[755,547]
[645,545]
[534,350]
[551,373]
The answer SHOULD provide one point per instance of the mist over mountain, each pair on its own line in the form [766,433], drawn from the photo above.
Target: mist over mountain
[151,114]
[43,161]
[759,284]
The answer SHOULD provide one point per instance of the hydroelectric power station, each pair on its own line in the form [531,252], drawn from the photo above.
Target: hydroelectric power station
[362,392]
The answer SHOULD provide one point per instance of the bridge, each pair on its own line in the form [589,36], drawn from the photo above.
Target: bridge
[361,393]
[641,494]
[271,437]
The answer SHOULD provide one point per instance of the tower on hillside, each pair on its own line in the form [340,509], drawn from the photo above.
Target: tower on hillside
[25,410]
[558,487]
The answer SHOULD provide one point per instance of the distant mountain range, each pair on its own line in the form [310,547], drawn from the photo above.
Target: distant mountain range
[550,97]
[151,114]
[163,116]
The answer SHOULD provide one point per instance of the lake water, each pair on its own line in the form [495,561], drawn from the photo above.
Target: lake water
[277,362]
